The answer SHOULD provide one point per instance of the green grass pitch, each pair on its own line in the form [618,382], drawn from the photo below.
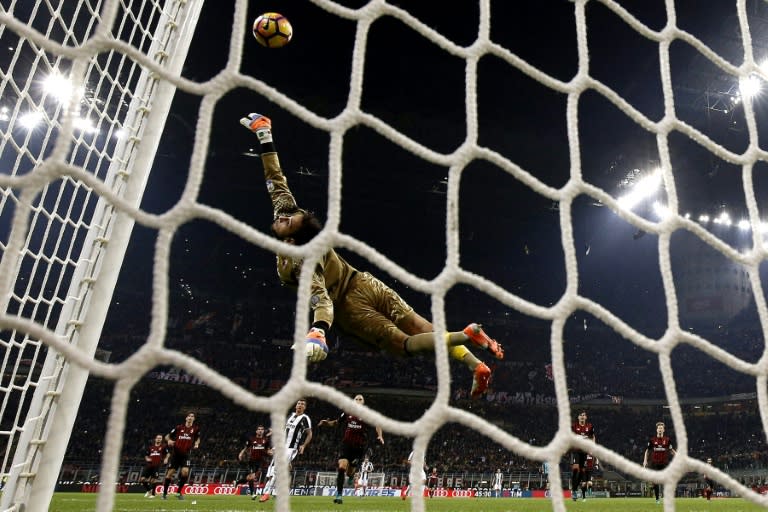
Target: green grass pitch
[76,502]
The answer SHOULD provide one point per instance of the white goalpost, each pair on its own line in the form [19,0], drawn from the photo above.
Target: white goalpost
[86,87]
[71,119]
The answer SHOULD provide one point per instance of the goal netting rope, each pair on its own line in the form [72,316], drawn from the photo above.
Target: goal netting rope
[70,194]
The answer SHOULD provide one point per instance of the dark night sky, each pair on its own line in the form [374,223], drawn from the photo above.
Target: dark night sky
[392,200]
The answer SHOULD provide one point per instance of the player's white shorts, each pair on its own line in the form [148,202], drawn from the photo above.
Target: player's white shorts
[292,452]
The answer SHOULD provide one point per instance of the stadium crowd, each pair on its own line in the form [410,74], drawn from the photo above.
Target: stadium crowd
[618,382]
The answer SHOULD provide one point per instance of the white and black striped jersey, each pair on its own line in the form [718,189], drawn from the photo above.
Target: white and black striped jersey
[366,467]
[295,428]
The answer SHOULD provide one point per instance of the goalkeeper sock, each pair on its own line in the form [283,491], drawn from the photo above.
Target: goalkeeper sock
[425,342]
[458,353]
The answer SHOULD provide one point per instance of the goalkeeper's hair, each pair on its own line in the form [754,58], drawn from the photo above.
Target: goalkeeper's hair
[310,227]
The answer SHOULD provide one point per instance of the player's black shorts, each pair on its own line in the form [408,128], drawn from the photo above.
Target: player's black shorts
[256,466]
[354,454]
[658,465]
[580,458]
[150,472]
[179,460]
[709,483]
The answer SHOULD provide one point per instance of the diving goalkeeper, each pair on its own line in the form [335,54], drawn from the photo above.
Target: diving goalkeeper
[355,302]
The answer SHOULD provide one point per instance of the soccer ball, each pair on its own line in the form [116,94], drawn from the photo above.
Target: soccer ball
[316,350]
[272,30]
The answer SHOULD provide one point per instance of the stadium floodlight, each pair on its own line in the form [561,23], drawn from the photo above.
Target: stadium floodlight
[744,225]
[703,219]
[750,86]
[85,125]
[58,86]
[661,210]
[31,119]
[723,219]
[643,189]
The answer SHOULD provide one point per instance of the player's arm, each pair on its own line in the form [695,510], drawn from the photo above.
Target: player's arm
[167,456]
[379,435]
[307,440]
[322,314]
[327,423]
[322,305]
[645,457]
[170,437]
[277,184]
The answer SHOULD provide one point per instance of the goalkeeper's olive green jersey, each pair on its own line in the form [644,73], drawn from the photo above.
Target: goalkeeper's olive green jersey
[332,274]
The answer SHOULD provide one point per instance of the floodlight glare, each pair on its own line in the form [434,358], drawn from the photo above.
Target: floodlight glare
[723,219]
[58,86]
[30,119]
[744,225]
[661,210]
[642,189]
[750,86]
[84,124]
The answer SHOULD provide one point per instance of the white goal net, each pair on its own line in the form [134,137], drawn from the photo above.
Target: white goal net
[86,87]
[83,108]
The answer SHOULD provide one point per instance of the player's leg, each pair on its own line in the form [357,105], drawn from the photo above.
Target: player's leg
[269,485]
[341,473]
[368,299]
[183,477]
[575,476]
[153,479]
[169,474]
[422,339]
[419,328]
[144,481]
[377,315]
[249,480]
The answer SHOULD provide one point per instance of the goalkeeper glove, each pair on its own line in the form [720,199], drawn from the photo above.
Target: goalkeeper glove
[260,125]
[317,349]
